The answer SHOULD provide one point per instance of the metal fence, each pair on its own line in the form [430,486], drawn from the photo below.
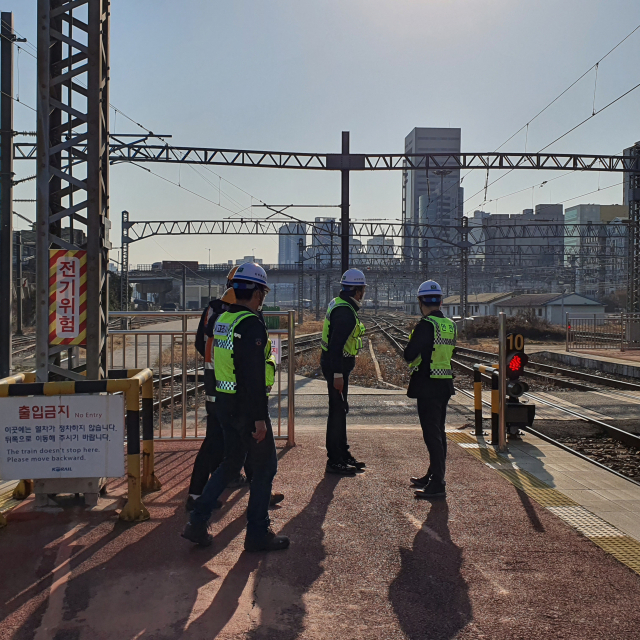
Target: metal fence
[167,346]
[600,331]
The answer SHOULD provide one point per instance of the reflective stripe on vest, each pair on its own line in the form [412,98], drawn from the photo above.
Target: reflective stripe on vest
[354,341]
[444,342]
[270,366]
[223,334]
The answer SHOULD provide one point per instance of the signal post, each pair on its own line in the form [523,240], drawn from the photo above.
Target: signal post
[512,414]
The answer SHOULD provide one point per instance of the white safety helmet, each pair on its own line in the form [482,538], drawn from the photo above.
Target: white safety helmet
[430,289]
[353,278]
[251,272]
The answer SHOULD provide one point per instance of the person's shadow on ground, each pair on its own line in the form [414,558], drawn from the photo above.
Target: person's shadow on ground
[292,573]
[429,595]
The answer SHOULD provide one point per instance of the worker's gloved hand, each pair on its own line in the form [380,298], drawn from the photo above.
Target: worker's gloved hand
[260,431]
[338,383]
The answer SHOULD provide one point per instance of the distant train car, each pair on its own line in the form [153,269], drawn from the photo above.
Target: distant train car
[156,266]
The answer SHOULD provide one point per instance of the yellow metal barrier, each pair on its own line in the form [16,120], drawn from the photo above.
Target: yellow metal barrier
[130,383]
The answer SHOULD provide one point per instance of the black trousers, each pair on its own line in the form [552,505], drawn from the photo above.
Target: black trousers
[211,453]
[432,412]
[337,445]
[240,446]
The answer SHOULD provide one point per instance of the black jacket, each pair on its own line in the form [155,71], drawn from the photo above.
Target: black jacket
[210,314]
[421,344]
[343,322]
[250,339]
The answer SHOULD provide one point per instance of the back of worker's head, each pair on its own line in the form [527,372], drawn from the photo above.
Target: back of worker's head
[248,279]
[353,283]
[430,295]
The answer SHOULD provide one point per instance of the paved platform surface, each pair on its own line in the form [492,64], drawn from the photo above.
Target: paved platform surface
[366,560]
[616,500]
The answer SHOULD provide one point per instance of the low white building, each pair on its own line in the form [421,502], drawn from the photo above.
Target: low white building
[478,304]
[551,306]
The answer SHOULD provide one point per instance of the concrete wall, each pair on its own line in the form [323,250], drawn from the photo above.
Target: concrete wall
[554,312]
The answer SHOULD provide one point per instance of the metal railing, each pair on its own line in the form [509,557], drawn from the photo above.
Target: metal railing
[168,348]
[601,331]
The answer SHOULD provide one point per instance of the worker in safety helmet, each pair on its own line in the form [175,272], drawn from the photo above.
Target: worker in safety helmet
[212,449]
[341,340]
[241,355]
[431,346]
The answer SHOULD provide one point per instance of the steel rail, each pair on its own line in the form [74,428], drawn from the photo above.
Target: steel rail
[625,437]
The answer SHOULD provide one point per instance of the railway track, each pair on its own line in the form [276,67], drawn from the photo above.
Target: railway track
[25,343]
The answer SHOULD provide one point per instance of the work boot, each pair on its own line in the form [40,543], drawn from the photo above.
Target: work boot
[435,489]
[276,498]
[421,483]
[239,483]
[352,462]
[198,534]
[340,469]
[269,541]
[191,503]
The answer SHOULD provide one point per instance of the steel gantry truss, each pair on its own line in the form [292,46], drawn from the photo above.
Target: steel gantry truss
[73,167]
[141,229]
[124,149]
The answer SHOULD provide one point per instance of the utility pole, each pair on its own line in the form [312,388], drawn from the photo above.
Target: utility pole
[300,281]
[184,288]
[344,205]
[19,284]
[6,192]
[317,286]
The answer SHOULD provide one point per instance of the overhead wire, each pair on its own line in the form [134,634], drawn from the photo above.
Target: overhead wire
[526,125]
[150,132]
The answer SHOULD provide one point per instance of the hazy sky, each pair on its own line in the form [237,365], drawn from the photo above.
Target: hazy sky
[290,75]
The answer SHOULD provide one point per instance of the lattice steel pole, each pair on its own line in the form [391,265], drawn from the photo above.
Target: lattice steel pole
[124,265]
[73,124]
[464,267]
[345,226]
[633,290]
[300,280]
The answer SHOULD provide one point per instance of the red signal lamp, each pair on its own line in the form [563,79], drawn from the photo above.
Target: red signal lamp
[516,364]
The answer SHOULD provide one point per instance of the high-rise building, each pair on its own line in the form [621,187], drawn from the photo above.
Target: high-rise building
[439,191]
[590,253]
[527,239]
[326,243]
[289,235]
